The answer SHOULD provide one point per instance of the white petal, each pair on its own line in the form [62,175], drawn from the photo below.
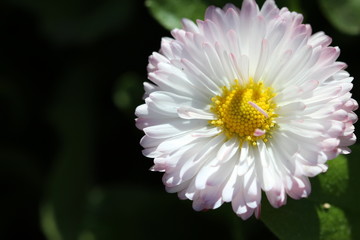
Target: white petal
[299,188]
[194,113]
[227,151]
[173,128]
[245,159]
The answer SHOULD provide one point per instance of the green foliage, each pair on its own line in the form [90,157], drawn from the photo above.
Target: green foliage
[344,15]
[328,213]
[133,212]
[63,207]
[128,91]
[334,224]
[336,180]
[170,13]
[295,221]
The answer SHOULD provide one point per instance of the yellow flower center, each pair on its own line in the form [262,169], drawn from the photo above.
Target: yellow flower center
[245,111]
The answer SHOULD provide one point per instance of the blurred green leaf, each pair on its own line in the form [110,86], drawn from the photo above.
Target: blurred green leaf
[307,220]
[48,222]
[335,181]
[69,182]
[297,220]
[329,213]
[141,212]
[351,198]
[334,224]
[128,91]
[344,15]
[292,5]
[170,12]
[333,184]
[134,212]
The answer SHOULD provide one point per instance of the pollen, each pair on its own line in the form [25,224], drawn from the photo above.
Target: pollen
[245,111]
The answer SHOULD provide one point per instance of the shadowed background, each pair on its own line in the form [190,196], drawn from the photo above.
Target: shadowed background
[71,167]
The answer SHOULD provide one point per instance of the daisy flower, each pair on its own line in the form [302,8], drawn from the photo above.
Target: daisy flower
[245,101]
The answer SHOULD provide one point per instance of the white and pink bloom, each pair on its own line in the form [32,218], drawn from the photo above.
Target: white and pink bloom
[248,100]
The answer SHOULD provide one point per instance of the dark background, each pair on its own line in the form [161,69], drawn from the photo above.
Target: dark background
[71,75]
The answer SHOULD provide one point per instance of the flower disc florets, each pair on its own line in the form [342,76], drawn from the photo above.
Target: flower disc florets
[245,111]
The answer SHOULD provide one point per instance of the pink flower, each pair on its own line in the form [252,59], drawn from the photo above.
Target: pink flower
[243,102]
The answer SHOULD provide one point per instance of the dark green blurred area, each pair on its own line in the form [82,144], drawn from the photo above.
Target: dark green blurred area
[71,167]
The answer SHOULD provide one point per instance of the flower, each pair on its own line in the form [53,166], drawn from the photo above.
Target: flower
[243,102]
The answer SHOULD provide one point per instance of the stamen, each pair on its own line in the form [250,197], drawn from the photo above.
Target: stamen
[254,105]
[245,111]
[258,132]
